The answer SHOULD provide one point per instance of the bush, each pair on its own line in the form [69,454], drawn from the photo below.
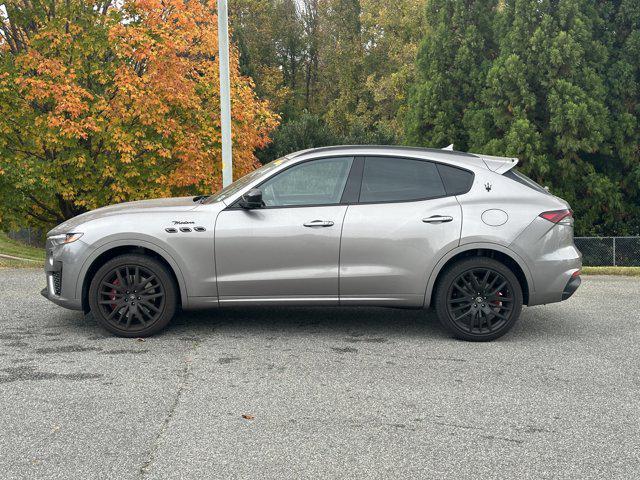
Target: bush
[311,131]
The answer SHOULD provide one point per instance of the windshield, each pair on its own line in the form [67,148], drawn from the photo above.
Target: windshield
[239,184]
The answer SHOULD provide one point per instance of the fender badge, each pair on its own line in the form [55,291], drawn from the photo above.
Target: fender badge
[182,222]
[487,186]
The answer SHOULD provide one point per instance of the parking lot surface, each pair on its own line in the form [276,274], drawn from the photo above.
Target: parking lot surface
[321,393]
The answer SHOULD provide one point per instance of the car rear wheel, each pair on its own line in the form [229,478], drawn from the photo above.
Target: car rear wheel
[478,299]
[133,296]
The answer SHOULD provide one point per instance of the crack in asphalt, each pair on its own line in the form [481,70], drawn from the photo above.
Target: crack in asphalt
[183,376]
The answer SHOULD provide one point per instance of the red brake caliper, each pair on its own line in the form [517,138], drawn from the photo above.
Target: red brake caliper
[498,303]
[113,294]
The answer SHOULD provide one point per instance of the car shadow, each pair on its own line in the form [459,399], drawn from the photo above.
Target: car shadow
[352,321]
[534,325]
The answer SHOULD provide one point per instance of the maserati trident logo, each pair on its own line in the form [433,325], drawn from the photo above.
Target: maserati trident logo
[487,186]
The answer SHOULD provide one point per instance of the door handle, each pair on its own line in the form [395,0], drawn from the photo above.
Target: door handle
[319,223]
[437,219]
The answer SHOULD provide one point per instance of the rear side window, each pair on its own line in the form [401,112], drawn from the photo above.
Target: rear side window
[389,179]
[456,180]
[516,176]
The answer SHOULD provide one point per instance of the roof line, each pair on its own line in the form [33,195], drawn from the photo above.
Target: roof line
[382,147]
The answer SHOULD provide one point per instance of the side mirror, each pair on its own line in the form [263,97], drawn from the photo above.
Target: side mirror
[251,199]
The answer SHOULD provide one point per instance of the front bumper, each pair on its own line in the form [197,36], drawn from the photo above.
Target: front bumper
[71,304]
[59,289]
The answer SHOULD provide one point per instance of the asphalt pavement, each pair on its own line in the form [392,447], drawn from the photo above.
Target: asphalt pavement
[321,393]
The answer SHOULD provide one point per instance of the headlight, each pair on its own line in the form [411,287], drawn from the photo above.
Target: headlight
[64,238]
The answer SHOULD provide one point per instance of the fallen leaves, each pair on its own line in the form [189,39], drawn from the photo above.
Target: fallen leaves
[246,416]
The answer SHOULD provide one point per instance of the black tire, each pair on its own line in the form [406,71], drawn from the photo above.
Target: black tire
[133,295]
[478,299]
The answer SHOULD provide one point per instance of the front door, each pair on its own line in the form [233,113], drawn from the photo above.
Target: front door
[288,251]
[393,237]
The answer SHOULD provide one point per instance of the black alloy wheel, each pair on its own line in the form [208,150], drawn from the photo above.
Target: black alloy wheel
[479,299]
[133,295]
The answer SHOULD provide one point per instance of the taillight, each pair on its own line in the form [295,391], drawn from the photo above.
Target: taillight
[554,216]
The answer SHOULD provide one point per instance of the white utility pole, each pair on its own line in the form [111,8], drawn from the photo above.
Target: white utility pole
[225,97]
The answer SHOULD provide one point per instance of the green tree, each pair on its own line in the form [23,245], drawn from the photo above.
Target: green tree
[310,131]
[343,55]
[306,131]
[353,60]
[368,59]
[620,30]
[271,39]
[544,102]
[452,62]
[391,30]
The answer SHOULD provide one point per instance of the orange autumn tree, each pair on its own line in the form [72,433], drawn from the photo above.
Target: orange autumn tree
[102,103]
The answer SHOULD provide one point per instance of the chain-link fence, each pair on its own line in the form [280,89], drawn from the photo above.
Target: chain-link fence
[609,251]
[34,237]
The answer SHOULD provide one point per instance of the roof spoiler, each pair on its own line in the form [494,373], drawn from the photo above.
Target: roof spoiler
[498,164]
[495,164]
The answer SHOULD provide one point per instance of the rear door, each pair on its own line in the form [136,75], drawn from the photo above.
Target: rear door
[404,221]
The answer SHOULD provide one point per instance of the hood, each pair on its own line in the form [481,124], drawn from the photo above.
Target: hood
[179,204]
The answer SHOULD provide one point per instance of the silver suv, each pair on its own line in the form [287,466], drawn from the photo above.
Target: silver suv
[350,225]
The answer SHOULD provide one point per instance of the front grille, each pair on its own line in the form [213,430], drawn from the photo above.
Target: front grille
[57,282]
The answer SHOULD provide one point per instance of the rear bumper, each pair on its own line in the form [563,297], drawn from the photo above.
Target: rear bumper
[552,259]
[556,286]
[571,287]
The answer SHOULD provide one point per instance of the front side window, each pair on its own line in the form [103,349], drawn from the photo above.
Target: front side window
[239,184]
[389,179]
[318,182]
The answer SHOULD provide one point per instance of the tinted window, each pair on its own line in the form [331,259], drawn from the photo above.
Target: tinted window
[239,184]
[514,175]
[318,182]
[388,179]
[456,181]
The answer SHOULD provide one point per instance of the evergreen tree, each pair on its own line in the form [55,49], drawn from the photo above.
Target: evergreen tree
[545,102]
[306,131]
[452,62]
[620,29]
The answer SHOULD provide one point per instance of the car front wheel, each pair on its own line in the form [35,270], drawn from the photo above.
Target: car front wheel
[133,296]
[478,299]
